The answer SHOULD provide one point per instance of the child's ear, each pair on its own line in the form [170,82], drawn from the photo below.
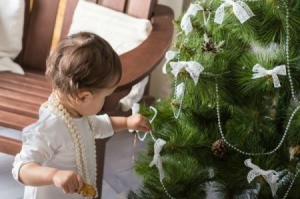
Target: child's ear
[83,96]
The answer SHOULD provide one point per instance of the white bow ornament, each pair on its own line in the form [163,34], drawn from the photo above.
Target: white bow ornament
[270,176]
[169,56]
[159,143]
[240,9]
[261,72]
[192,67]
[186,24]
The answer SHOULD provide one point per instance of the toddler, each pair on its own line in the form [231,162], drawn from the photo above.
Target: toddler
[58,156]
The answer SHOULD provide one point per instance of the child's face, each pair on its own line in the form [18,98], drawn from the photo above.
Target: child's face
[92,103]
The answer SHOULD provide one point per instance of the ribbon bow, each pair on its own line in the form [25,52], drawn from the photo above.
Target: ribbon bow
[261,72]
[240,9]
[159,143]
[186,24]
[169,56]
[270,176]
[192,67]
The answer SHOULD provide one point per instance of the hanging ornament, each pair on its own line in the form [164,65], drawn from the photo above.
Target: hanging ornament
[218,148]
[169,56]
[186,24]
[294,152]
[210,46]
[179,91]
[135,109]
[192,67]
[270,176]
[239,8]
[260,71]
[159,143]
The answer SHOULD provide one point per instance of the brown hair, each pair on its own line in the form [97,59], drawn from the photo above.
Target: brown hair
[83,61]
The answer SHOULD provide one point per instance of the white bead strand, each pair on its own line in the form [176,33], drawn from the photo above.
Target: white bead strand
[239,150]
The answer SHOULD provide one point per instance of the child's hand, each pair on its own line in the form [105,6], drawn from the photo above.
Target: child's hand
[138,122]
[68,181]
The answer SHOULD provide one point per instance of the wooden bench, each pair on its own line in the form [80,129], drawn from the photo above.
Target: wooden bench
[21,96]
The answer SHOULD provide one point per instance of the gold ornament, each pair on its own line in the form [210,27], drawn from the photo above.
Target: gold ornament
[87,191]
[218,148]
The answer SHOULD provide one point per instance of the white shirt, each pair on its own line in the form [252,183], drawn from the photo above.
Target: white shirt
[49,143]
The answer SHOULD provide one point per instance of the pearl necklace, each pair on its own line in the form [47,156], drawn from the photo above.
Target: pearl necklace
[80,153]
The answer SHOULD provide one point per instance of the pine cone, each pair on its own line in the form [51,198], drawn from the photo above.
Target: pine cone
[294,153]
[209,46]
[218,148]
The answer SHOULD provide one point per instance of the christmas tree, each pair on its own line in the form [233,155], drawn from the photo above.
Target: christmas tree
[232,123]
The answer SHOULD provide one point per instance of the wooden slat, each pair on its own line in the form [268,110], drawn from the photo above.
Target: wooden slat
[10,146]
[140,8]
[31,99]
[15,121]
[36,75]
[40,32]
[19,107]
[118,5]
[68,15]
[27,79]
[58,24]
[23,88]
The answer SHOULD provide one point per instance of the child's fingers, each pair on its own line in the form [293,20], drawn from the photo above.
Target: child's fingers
[140,123]
[80,182]
[74,185]
[71,188]
[65,189]
[145,126]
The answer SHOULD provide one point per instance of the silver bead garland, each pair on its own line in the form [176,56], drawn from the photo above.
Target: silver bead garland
[287,51]
[239,150]
[166,191]
[291,185]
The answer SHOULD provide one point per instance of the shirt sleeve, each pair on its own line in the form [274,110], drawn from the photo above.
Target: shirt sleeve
[103,126]
[37,147]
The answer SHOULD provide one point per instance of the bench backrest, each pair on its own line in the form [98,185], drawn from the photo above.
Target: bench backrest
[48,21]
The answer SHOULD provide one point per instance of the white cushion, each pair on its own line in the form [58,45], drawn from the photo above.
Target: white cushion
[122,31]
[11,33]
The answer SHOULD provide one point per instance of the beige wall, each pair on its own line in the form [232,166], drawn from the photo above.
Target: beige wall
[159,86]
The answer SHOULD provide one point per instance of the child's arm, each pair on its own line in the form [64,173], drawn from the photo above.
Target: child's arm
[33,174]
[135,122]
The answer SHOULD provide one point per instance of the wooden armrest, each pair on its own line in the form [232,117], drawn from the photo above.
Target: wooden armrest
[10,146]
[141,61]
